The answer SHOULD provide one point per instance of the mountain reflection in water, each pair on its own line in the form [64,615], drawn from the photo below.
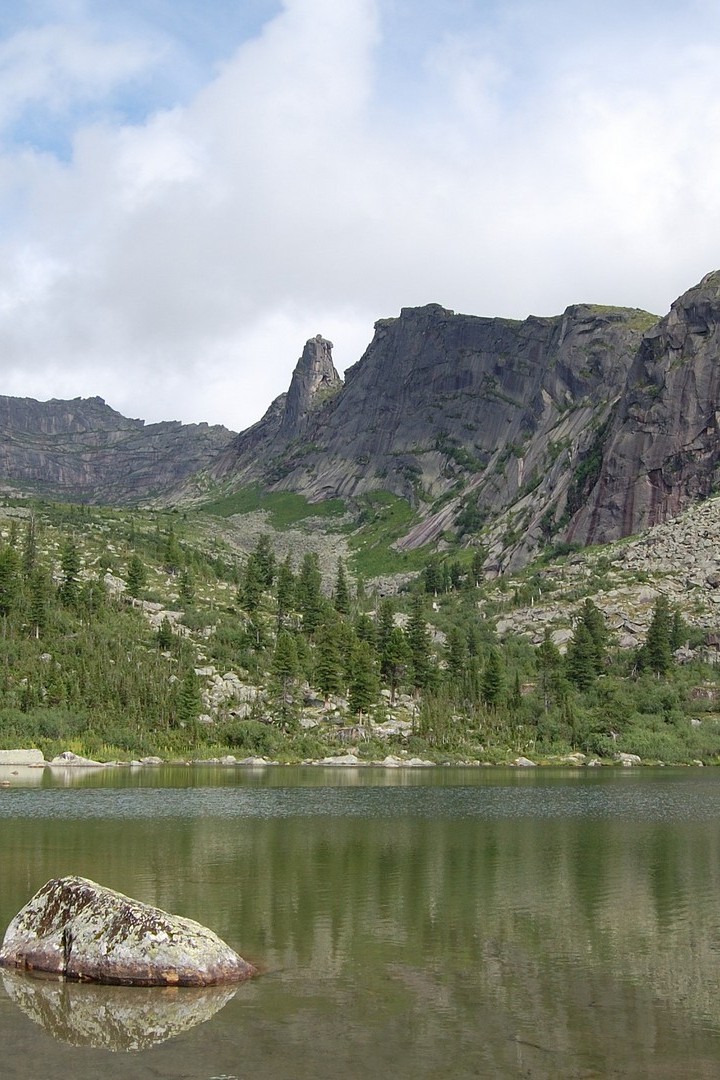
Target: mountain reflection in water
[120,1018]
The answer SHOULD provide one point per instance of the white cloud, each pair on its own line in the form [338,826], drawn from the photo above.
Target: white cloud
[177,266]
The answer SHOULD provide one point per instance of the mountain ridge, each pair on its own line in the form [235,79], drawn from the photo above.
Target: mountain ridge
[513,435]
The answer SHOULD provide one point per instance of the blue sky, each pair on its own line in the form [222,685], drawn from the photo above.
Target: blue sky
[188,191]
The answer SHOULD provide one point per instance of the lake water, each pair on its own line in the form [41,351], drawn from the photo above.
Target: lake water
[427,923]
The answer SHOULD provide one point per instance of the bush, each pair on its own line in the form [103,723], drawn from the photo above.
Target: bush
[253,737]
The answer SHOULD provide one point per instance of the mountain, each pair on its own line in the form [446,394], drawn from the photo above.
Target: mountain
[86,451]
[475,421]
[514,435]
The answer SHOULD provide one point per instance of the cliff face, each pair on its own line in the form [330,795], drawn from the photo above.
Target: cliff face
[461,415]
[84,450]
[662,451]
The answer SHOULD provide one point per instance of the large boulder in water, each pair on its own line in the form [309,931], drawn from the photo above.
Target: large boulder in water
[75,928]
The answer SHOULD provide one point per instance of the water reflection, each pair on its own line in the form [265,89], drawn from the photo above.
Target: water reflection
[471,924]
[25,775]
[118,1018]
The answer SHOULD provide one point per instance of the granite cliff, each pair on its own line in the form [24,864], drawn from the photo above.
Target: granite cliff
[662,450]
[584,427]
[477,422]
[84,450]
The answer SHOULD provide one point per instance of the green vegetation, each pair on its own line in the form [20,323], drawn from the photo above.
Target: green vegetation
[285,507]
[383,519]
[116,630]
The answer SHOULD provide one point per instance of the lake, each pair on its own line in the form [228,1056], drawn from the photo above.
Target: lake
[408,923]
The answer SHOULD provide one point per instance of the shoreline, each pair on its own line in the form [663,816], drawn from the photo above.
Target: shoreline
[73,762]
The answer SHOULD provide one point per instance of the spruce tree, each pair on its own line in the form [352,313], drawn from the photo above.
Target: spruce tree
[29,551]
[187,588]
[172,557]
[394,660]
[456,654]
[285,591]
[328,664]
[581,658]
[136,576]
[364,685]
[418,640]
[39,601]
[594,623]
[265,560]
[284,667]
[189,699]
[492,683]
[308,592]
[9,580]
[251,585]
[549,662]
[341,592]
[70,566]
[656,653]
[165,634]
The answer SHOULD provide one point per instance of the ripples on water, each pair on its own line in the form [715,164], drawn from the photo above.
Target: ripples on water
[629,797]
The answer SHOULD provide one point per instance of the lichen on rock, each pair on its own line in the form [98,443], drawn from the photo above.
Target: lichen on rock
[77,929]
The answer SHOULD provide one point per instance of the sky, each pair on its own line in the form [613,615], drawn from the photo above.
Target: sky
[190,189]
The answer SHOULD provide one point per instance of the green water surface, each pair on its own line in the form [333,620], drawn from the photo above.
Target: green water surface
[426,923]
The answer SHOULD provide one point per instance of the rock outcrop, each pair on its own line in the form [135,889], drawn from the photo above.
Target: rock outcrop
[82,931]
[84,450]
[662,450]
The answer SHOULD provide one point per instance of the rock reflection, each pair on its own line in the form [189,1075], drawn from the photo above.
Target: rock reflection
[21,775]
[119,1018]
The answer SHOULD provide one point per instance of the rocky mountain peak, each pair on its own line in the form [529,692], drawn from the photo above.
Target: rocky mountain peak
[314,380]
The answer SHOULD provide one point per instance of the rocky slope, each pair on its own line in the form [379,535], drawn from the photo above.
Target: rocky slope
[84,450]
